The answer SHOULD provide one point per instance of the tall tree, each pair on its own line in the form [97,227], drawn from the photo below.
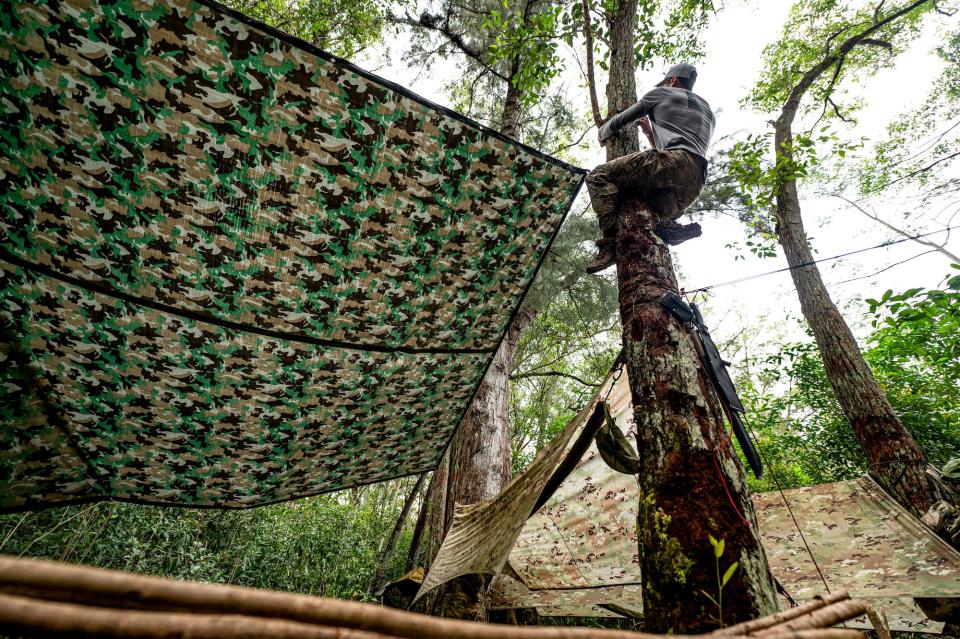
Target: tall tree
[694,502]
[823,42]
[478,463]
[692,486]
[524,55]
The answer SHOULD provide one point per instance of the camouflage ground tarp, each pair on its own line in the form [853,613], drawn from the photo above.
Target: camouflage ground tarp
[234,269]
[578,553]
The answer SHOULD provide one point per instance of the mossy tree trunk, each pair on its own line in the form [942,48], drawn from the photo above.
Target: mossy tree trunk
[692,485]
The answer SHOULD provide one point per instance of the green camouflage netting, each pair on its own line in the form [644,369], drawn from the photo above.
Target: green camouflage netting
[235,270]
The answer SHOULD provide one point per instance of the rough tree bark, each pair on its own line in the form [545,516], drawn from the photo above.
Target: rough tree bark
[478,464]
[479,469]
[895,459]
[692,485]
[622,82]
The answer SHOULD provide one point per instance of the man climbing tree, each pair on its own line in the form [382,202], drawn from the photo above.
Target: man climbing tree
[678,124]
[692,487]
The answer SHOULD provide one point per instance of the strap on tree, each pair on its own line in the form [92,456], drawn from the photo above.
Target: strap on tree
[691,319]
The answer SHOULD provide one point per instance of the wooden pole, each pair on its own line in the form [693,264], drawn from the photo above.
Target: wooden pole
[51,598]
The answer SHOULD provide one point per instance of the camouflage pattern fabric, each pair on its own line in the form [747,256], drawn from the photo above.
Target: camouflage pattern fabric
[862,539]
[578,552]
[481,536]
[234,269]
[668,179]
[510,592]
[585,534]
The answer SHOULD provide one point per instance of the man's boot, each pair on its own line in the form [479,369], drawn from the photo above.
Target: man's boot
[606,255]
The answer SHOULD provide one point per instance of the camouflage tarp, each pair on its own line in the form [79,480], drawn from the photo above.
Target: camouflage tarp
[234,269]
[585,535]
[481,535]
[579,551]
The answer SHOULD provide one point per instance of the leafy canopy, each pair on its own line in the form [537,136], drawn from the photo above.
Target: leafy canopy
[341,27]
[814,31]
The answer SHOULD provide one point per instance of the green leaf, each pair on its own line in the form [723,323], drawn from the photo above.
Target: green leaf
[712,539]
[954,282]
[718,549]
[714,601]
[727,575]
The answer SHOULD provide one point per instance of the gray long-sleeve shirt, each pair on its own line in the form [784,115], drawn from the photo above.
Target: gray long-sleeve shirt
[680,119]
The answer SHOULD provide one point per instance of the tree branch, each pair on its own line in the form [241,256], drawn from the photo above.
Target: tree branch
[591,80]
[836,109]
[878,43]
[924,168]
[441,24]
[573,144]
[530,374]
[943,12]
[792,103]
[876,218]
[384,564]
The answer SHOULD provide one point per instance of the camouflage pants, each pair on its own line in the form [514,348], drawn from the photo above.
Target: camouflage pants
[667,180]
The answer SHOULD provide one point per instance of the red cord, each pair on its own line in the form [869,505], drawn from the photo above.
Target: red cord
[726,488]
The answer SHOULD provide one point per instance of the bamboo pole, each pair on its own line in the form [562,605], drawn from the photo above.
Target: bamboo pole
[85,602]
[22,614]
[819,633]
[756,625]
[80,585]
[879,622]
[823,618]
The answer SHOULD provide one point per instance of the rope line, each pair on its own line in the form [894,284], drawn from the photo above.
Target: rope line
[786,502]
[706,289]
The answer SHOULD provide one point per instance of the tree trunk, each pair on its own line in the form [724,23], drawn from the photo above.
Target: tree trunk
[480,464]
[691,482]
[418,529]
[692,485]
[438,520]
[510,117]
[896,462]
[479,458]
[621,83]
[381,572]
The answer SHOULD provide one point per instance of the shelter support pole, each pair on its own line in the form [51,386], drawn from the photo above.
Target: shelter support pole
[692,485]
[44,598]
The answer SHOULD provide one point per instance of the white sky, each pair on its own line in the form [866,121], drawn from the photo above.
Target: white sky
[734,45]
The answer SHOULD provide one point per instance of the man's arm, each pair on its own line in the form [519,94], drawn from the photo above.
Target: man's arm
[629,116]
[647,131]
